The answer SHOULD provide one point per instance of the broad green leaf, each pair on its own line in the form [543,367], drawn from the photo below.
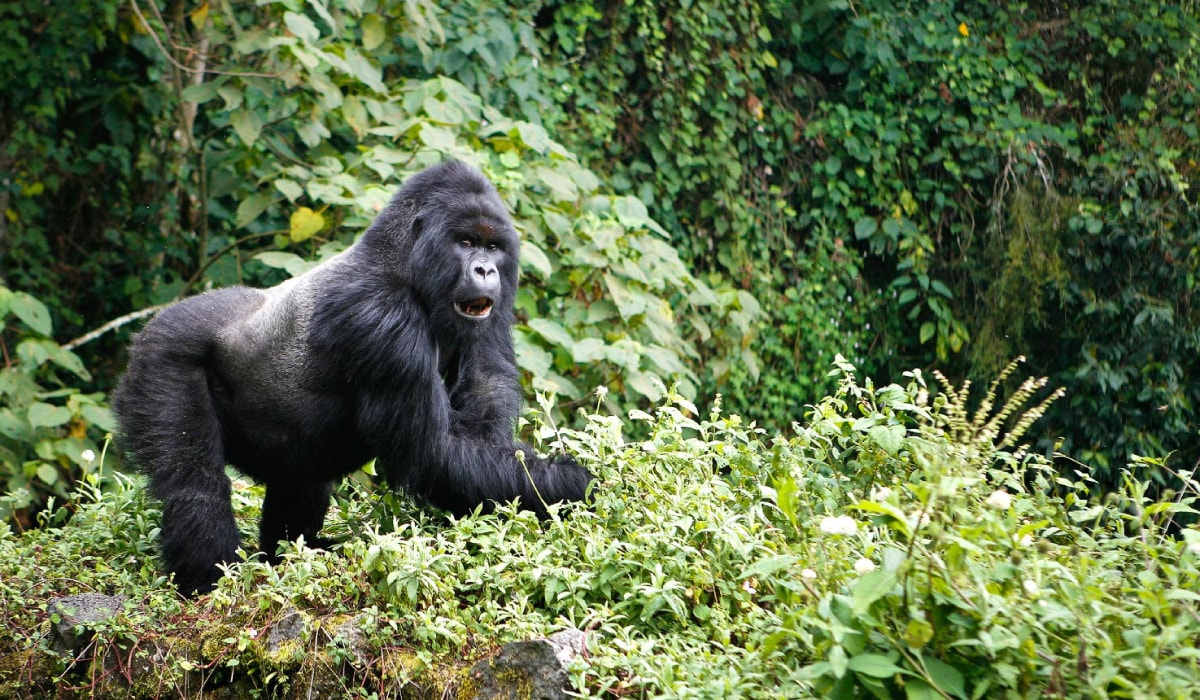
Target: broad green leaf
[289,188]
[533,257]
[199,94]
[437,138]
[250,208]
[355,114]
[232,94]
[301,27]
[44,415]
[928,329]
[277,259]
[561,188]
[32,312]
[899,519]
[47,473]
[769,565]
[374,32]
[865,227]
[646,384]
[838,661]
[365,70]
[874,665]
[14,427]
[629,302]
[67,360]
[304,224]
[533,136]
[247,124]
[589,350]
[552,331]
[888,437]
[630,211]
[918,633]
[869,588]
[530,357]
[948,678]
[99,416]
[917,689]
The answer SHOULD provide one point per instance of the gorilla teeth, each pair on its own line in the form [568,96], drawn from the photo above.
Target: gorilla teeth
[475,308]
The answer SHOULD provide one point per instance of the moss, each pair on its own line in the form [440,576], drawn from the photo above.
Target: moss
[516,683]
[212,640]
[1023,253]
[23,671]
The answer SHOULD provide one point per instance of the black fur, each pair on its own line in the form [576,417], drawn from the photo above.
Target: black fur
[389,350]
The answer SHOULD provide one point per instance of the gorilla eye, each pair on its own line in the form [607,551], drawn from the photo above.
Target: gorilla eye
[493,246]
[467,243]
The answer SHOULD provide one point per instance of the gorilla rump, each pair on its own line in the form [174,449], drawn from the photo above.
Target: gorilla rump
[399,349]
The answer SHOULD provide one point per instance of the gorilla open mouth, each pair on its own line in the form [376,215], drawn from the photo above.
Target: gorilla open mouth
[474,309]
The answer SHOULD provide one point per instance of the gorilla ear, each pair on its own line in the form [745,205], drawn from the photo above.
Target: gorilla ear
[418,225]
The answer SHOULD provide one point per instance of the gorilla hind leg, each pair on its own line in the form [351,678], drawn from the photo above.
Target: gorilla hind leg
[291,511]
[170,426]
[179,444]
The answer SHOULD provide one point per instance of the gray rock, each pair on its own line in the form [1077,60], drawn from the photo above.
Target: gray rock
[84,610]
[534,670]
[289,628]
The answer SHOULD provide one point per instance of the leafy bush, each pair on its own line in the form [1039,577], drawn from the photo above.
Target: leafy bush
[307,147]
[700,111]
[918,183]
[92,203]
[898,545]
[50,429]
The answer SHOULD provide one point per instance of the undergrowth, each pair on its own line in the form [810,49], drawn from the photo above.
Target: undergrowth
[901,544]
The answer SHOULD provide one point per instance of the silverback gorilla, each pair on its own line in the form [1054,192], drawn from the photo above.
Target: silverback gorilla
[399,349]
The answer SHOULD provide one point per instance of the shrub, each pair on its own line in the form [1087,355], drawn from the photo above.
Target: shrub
[50,429]
[899,544]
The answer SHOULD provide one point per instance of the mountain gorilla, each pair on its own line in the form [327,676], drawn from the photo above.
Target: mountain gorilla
[399,349]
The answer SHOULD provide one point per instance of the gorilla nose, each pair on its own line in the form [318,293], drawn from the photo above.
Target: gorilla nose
[485,270]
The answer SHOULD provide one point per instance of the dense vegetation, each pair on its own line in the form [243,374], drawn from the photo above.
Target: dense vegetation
[898,545]
[719,196]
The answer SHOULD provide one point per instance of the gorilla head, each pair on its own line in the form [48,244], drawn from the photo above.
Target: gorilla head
[399,349]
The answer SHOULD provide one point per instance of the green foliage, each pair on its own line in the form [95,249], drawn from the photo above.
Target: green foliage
[50,429]
[309,146]
[899,544]
[952,183]
[699,110]
[90,202]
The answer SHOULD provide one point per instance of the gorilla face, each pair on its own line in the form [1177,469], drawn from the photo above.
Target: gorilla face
[467,256]
[479,280]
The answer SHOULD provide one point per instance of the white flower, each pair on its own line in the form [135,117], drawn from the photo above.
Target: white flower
[919,518]
[880,493]
[839,525]
[1194,547]
[808,574]
[862,566]
[88,455]
[1030,586]
[1025,540]
[1000,500]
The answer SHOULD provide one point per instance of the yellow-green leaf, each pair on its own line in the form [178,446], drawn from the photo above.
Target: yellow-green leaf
[304,224]
[373,32]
